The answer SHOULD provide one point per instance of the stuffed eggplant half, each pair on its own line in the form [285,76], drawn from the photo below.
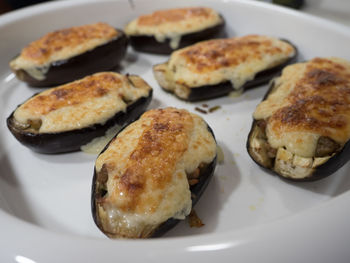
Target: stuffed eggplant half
[64,118]
[69,54]
[301,129]
[214,68]
[166,30]
[152,173]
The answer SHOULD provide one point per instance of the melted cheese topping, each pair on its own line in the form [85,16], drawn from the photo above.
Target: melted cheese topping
[236,59]
[82,103]
[173,23]
[36,58]
[310,100]
[147,165]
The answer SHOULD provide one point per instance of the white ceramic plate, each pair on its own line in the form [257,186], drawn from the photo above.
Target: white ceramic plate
[249,215]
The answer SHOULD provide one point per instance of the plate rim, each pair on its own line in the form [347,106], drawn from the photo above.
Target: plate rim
[245,238]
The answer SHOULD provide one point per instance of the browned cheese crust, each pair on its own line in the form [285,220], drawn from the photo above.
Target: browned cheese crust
[42,49]
[93,99]
[303,124]
[73,93]
[236,60]
[319,102]
[152,163]
[215,54]
[173,15]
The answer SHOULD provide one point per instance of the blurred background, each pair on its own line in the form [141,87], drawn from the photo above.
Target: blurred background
[336,10]
[8,5]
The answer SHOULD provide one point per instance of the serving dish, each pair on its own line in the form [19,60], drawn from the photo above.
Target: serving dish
[249,215]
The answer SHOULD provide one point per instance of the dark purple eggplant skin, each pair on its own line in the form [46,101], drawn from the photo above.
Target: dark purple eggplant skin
[70,141]
[149,44]
[196,192]
[331,166]
[102,58]
[224,88]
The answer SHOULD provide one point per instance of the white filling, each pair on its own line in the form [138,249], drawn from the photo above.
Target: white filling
[175,41]
[38,73]
[300,143]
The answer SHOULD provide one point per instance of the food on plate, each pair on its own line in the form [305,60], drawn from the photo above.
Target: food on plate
[301,129]
[194,220]
[69,54]
[166,30]
[217,67]
[152,173]
[64,118]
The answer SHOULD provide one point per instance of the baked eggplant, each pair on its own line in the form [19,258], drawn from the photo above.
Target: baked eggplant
[69,54]
[214,68]
[301,129]
[64,118]
[151,174]
[166,30]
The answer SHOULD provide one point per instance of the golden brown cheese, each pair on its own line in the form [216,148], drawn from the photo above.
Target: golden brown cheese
[147,166]
[237,60]
[61,45]
[173,23]
[91,100]
[311,100]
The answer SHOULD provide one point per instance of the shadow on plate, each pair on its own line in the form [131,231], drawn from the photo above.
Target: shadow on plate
[333,185]
[64,158]
[134,64]
[11,189]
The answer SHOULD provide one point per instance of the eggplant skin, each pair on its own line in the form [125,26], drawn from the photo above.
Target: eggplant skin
[149,44]
[70,141]
[196,192]
[333,164]
[102,58]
